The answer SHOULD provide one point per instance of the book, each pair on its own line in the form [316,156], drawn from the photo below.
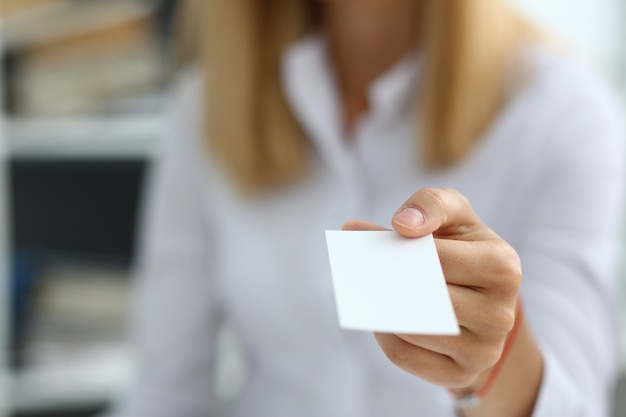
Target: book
[76,55]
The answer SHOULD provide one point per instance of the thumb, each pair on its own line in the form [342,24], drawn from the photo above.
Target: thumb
[443,212]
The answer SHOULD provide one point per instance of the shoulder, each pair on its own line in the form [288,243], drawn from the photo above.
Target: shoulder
[564,106]
[562,83]
[183,116]
[186,141]
[185,105]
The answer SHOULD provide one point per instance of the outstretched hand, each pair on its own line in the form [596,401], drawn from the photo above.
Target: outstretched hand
[483,274]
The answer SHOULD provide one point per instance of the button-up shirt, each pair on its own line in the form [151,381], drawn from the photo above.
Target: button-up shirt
[546,176]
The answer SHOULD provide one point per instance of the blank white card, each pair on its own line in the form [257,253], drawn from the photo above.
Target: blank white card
[387,283]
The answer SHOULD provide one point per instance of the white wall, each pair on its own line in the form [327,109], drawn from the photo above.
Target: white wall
[595,28]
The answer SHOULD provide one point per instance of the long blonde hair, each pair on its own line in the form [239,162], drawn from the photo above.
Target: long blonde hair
[468,45]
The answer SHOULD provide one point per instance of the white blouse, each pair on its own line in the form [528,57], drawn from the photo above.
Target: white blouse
[547,176]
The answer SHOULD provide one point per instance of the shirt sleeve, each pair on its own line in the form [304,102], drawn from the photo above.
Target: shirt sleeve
[570,250]
[176,318]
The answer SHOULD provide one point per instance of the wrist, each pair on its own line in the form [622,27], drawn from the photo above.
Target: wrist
[472,395]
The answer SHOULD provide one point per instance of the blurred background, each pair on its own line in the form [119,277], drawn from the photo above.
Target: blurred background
[83,84]
[82,87]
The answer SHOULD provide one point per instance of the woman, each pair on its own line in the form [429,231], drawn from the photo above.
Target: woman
[321,112]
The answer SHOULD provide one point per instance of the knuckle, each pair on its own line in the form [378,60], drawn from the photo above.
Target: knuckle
[479,355]
[459,378]
[490,355]
[398,355]
[465,352]
[434,195]
[500,321]
[466,358]
[506,268]
[458,196]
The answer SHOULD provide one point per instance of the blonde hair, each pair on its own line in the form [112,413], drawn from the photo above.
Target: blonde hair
[468,45]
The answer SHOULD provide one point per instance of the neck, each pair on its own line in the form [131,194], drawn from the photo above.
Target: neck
[366,38]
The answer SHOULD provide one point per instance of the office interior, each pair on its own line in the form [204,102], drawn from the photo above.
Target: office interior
[83,85]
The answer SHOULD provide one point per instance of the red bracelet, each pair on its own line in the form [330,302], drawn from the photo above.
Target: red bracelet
[474,399]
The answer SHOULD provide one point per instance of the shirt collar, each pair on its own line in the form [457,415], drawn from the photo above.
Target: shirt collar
[309,84]
[395,89]
[308,75]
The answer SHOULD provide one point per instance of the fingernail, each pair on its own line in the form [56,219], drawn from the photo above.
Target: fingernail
[409,217]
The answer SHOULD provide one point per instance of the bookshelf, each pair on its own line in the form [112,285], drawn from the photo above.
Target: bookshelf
[86,137]
[4,270]
[81,56]
[82,97]
[5,404]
